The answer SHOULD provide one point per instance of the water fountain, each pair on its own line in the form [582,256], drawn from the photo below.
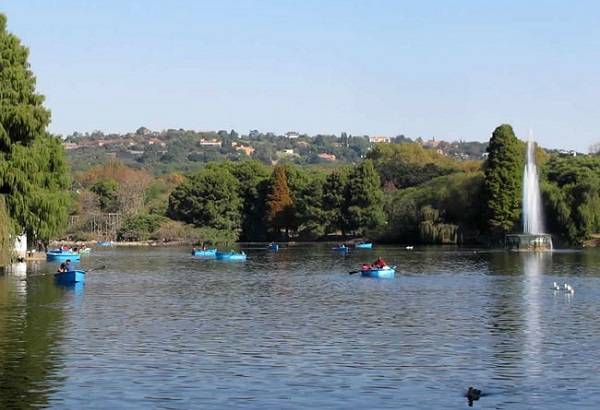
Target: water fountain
[533,236]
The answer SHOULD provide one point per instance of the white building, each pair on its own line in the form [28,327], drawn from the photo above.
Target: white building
[21,246]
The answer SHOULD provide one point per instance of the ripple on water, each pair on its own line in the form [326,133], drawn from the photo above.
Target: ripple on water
[157,328]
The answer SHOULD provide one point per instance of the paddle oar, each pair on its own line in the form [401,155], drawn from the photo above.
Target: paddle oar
[96,268]
[352,272]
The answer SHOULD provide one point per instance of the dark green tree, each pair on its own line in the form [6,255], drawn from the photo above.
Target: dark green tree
[333,201]
[107,194]
[363,199]
[208,199]
[502,186]
[253,179]
[571,197]
[34,177]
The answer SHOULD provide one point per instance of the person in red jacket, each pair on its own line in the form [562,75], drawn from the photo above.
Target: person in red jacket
[379,263]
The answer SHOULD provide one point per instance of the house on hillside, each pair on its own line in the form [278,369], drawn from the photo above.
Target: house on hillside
[70,145]
[327,157]
[379,139]
[209,143]
[292,135]
[245,149]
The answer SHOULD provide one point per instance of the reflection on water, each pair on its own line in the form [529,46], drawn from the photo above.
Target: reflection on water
[30,331]
[292,329]
[533,263]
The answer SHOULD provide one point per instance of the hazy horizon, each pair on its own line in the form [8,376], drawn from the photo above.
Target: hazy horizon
[449,72]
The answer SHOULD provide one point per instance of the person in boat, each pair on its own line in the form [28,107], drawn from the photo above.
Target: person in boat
[62,268]
[379,263]
[68,266]
[365,266]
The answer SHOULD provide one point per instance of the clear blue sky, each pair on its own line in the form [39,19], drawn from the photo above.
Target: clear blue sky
[444,69]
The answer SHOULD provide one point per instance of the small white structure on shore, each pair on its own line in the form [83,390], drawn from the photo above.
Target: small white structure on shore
[20,248]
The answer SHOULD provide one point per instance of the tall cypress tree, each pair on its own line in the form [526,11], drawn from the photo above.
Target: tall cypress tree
[280,207]
[34,177]
[502,186]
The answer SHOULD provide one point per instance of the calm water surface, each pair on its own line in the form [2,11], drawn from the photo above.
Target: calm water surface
[159,329]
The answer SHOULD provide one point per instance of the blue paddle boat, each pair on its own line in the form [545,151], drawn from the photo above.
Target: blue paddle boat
[58,255]
[342,249]
[364,245]
[231,256]
[104,243]
[205,253]
[387,272]
[273,247]
[67,278]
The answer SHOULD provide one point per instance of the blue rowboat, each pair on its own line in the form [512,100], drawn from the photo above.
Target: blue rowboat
[273,247]
[104,243]
[342,248]
[384,273]
[205,253]
[66,278]
[60,255]
[231,256]
[364,245]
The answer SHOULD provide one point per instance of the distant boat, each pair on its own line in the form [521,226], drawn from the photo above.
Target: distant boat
[273,247]
[85,251]
[409,248]
[342,248]
[104,243]
[66,278]
[61,255]
[205,253]
[387,272]
[231,256]
[364,245]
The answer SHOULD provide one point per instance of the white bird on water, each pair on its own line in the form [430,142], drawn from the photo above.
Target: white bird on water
[555,286]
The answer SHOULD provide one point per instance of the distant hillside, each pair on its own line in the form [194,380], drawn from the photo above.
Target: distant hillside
[185,150]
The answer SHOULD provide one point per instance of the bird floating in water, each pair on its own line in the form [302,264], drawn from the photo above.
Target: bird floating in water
[472,395]
[409,247]
[566,287]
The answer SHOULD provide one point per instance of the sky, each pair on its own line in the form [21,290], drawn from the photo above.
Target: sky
[432,69]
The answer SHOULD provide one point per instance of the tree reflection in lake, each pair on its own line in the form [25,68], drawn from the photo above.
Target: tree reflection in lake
[31,328]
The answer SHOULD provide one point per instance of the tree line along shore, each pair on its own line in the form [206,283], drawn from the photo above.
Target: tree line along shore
[396,193]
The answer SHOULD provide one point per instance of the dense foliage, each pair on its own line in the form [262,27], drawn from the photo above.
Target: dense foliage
[571,195]
[34,177]
[210,199]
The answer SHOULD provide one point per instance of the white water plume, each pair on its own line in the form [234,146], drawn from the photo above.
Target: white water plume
[532,203]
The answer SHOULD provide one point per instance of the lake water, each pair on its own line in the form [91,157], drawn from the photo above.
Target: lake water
[159,329]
